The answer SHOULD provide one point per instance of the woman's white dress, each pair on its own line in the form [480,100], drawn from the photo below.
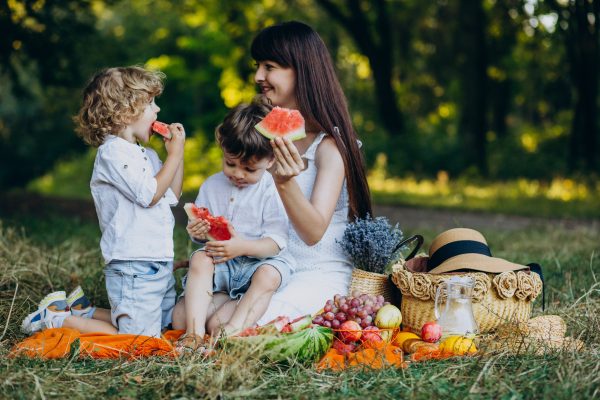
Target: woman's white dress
[322,270]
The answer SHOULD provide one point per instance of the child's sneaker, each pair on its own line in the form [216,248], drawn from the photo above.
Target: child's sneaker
[79,304]
[51,313]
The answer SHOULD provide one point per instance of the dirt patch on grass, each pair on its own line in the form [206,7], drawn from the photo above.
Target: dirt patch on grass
[408,218]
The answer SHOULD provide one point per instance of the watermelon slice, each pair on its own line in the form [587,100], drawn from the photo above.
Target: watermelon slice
[162,129]
[218,225]
[283,123]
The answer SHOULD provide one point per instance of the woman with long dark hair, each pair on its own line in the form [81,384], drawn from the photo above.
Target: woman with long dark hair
[321,179]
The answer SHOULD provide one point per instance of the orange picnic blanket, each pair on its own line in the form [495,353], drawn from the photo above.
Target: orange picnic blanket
[61,342]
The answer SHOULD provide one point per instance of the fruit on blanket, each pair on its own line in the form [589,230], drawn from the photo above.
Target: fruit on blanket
[162,129]
[388,316]
[275,326]
[458,346]
[343,348]
[219,226]
[431,332]
[350,331]
[298,324]
[282,122]
[401,337]
[306,345]
[371,336]
[361,308]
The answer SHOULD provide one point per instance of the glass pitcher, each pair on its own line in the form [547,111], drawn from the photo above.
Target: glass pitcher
[457,317]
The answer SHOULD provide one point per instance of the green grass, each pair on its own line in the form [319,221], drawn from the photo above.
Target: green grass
[38,256]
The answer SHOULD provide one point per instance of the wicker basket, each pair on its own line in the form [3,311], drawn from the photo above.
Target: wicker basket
[497,298]
[372,283]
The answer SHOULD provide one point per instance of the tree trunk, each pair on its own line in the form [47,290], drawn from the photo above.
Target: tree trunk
[473,75]
[375,42]
[582,41]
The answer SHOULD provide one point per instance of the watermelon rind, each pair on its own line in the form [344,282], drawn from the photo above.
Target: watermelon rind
[291,135]
[305,346]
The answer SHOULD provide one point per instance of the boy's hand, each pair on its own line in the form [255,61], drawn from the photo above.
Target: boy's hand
[175,145]
[225,250]
[198,229]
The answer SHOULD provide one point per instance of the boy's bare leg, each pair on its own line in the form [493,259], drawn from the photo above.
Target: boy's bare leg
[179,311]
[255,301]
[198,293]
[216,323]
[89,325]
[179,314]
[102,314]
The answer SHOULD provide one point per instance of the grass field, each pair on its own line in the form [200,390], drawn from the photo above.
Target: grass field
[38,256]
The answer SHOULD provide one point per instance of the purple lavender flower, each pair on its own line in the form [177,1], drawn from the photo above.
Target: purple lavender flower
[371,243]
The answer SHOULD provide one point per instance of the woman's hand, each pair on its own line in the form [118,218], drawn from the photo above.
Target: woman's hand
[225,250]
[198,229]
[288,162]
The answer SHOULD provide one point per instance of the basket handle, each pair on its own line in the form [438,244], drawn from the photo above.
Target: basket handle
[417,238]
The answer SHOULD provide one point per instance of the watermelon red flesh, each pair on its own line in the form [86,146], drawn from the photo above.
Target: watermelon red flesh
[283,123]
[218,225]
[162,129]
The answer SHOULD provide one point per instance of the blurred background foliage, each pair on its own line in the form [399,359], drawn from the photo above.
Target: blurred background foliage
[463,91]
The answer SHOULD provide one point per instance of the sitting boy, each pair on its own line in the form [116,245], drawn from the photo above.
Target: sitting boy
[246,270]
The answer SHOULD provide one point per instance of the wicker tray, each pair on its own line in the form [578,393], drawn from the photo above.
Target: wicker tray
[497,298]
[372,283]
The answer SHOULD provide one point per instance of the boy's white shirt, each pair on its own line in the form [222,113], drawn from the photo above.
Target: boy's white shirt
[254,211]
[123,185]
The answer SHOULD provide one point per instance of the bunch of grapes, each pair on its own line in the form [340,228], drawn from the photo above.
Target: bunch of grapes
[358,307]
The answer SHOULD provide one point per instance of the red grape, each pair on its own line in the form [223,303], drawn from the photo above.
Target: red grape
[340,316]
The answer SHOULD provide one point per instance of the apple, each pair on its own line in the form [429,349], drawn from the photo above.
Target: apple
[431,332]
[349,332]
[370,336]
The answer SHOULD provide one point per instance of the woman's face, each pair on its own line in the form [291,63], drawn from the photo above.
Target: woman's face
[277,83]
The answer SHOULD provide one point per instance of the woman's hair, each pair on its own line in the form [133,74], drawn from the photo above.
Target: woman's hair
[319,97]
[114,98]
[237,135]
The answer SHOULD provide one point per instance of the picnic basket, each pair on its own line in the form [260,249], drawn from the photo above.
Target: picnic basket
[372,283]
[497,298]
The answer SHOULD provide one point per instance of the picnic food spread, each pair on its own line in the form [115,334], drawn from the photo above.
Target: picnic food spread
[362,330]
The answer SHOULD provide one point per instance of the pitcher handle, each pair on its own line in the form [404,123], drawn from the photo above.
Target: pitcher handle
[436,302]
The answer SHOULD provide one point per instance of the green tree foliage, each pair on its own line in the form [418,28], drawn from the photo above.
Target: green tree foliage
[503,88]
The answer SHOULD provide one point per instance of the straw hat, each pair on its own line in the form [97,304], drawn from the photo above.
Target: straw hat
[540,335]
[465,249]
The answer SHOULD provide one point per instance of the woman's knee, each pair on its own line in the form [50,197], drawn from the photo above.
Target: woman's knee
[267,278]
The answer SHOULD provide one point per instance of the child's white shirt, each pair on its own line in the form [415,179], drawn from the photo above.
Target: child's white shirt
[123,185]
[254,211]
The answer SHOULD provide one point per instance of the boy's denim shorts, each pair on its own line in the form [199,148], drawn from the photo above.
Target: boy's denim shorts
[141,294]
[234,276]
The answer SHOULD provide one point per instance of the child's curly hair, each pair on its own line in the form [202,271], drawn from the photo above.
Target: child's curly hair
[114,98]
[237,135]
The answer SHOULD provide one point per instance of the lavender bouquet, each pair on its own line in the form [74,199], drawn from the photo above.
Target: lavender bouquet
[372,243]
